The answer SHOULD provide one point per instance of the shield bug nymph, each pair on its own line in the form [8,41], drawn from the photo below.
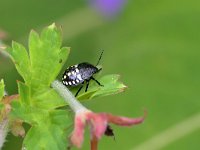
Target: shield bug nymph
[81,73]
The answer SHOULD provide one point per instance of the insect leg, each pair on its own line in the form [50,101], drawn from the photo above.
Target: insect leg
[87,85]
[96,81]
[78,90]
[99,69]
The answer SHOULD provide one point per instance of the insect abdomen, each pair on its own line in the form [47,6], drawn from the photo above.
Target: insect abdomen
[77,74]
[72,76]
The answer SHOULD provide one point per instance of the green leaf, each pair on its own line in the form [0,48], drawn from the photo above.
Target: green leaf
[20,58]
[49,128]
[41,68]
[1,89]
[110,83]
[1,107]
[28,114]
[45,99]
[38,103]
[50,133]
[24,92]
[111,86]
[47,58]
[48,99]
[45,61]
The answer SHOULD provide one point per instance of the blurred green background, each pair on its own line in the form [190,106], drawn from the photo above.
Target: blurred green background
[155,47]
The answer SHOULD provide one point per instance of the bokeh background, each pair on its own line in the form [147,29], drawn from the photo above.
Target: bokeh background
[154,45]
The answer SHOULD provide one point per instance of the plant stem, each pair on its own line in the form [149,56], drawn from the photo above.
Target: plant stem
[3,132]
[4,124]
[94,144]
[64,92]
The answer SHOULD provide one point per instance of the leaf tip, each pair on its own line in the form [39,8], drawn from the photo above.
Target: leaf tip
[123,88]
[33,35]
[32,30]
[69,49]
[52,26]
[15,44]
[2,86]
[1,81]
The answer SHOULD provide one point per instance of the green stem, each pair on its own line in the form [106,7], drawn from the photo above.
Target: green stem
[64,92]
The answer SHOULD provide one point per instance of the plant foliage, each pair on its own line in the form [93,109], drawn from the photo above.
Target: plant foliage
[38,104]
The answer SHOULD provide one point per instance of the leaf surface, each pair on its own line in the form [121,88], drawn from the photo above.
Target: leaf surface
[1,89]
[111,85]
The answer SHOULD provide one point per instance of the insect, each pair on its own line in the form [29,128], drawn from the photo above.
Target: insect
[81,73]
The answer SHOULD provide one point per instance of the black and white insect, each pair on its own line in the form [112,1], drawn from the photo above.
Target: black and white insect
[81,73]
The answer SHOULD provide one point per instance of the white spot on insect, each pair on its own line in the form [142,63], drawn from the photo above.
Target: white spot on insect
[69,74]
[69,83]
[73,82]
[77,70]
[73,73]
[79,77]
[63,82]
[77,81]
[66,83]
[76,66]
[65,76]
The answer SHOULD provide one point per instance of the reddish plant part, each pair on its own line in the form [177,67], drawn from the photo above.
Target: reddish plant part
[98,124]
[4,122]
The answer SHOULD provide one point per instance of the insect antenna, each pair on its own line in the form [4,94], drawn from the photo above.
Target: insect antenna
[100,57]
